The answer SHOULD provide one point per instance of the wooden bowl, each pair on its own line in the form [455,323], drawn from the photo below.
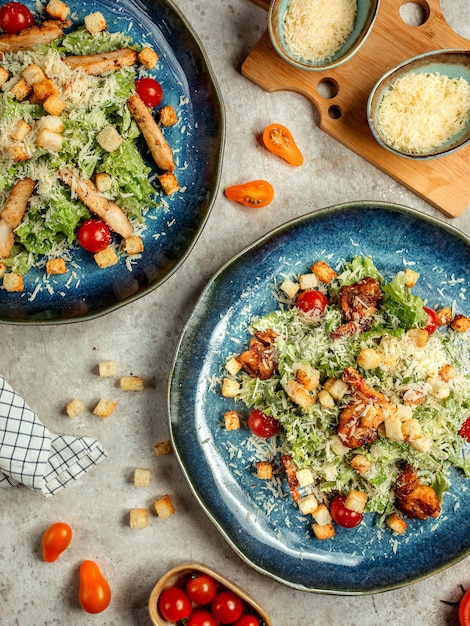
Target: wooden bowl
[177,573]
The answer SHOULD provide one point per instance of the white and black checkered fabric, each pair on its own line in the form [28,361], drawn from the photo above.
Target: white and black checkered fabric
[32,456]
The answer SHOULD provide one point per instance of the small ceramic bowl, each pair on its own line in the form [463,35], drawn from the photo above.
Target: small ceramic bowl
[451,63]
[365,17]
[180,573]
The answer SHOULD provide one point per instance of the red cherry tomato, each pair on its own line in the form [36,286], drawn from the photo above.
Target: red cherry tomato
[149,91]
[465,430]
[227,607]
[464,609]
[262,425]
[94,593]
[174,604]
[55,540]
[248,620]
[201,617]
[94,235]
[14,17]
[431,320]
[311,301]
[343,516]
[201,589]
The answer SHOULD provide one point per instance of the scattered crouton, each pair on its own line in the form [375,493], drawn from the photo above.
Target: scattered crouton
[20,131]
[307,376]
[411,277]
[33,74]
[369,358]
[74,407]
[20,90]
[308,281]
[103,182]
[148,58]
[419,336]
[95,22]
[230,388]
[304,477]
[325,399]
[106,258]
[323,272]
[50,122]
[322,515]
[57,10]
[54,105]
[107,368]
[396,523]
[460,323]
[336,388]
[289,288]
[232,420]
[264,470]
[44,89]
[447,372]
[109,138]
[48,140]
[131,383]
[164,507]
[308,504]
[169,183]
[104,408]
[138,518]
[233,366]
[299,395]
[4,75]
[361,464]
[168,116]
[13,282]
[323,531]
[162,448]
[356,501]
[444,316]
[3,269]
[133,245]
[56,266]
[142,477]
[17,153]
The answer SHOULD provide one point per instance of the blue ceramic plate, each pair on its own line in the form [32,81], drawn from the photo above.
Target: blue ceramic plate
[262,525]
[197,140]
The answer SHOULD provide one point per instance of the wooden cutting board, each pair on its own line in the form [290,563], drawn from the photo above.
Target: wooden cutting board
[443,182]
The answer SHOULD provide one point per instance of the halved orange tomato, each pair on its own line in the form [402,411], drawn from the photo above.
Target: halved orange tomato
[255,194]
[278,140]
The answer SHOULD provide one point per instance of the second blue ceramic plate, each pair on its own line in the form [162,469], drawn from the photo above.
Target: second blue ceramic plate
[257,517]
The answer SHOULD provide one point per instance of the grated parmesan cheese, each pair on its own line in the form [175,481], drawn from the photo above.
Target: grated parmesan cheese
[314,30]
[422,111]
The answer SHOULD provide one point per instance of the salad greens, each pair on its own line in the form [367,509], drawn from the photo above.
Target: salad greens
[310,434]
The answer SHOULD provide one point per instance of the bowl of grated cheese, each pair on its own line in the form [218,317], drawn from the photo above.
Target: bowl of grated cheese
[420,109]
[320,34]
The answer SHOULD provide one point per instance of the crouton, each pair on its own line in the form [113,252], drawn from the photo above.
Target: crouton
[20,131]
[304,477]
[45,89]
[13,282]
[323,272]
[168,116]
[231,420]
[308,281]
[414,397]
[264,470]
[447,373]
[422,444]
[289,288]
[106,258]
[142,477]
[396,523]
[138,518]
[325,399]
[322,515]
[131,383]
[308,504]
[336,388]
[299,395]
[444,316]
[133,245]
[460,323]
[438,388]
[393,430]
[361,464]
[148,58]
[233,366]
[411,278]
[57,10]
[4,75]
[230,388]
[164,507]
[50,122]
[3,269]
[418,336]
[169,183]
[54,105]
[369,358]
[95,22]
[33,74]
[323,531]
[49,140]
[74,407]
[56,266]
[17,153]
[20,90]
[307,376]
[107,368]
[104,408]
[356,501]
[162,448]
[103,182]
[338,447]
[109,138]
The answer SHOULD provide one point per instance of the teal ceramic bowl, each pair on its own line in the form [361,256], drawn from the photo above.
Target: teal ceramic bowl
[451,63]
[365,17]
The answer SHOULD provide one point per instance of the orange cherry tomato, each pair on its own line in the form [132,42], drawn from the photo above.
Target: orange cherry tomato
[94,593]
[255,194]
[278,140]
[55,540]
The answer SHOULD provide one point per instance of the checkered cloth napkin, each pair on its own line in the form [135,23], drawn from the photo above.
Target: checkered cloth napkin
[31,455]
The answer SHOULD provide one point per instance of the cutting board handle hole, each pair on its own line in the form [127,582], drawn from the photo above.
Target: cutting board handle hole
[335,112]
[328,88]
[415,13]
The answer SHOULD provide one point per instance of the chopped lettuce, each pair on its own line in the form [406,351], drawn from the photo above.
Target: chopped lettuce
[401,305]
[360,267]
[81,41]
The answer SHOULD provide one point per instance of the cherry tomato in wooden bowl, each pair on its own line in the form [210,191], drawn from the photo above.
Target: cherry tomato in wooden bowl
[15,17]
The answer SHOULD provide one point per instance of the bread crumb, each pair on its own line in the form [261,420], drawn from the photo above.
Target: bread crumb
[74,407]
[164,507]
[142,477]
[138,518]
[163,447]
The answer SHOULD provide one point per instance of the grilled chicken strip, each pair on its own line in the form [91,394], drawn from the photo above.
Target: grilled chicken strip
[29,37]
[414,499]
[258,359]
[109,212]
[158,145]
[99,64]
[12,214]
[360,299]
